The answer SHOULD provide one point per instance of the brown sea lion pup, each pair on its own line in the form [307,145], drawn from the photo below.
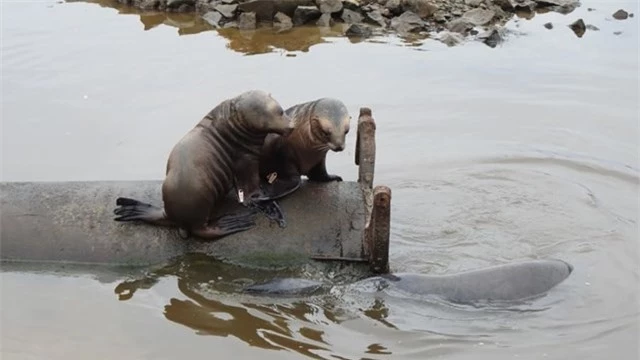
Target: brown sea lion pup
[220,152]
[319,126]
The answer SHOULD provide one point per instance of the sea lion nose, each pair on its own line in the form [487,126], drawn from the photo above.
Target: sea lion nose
[339,147]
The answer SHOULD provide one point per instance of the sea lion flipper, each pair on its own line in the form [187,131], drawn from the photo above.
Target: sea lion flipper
[271,209]
[319,173]
[226,225]
[278,189]
[131,210]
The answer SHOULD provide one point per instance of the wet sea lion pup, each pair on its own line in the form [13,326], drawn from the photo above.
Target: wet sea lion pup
[319,126]
[502,283]
[220,152]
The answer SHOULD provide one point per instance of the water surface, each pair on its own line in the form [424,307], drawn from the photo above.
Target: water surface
[528,150]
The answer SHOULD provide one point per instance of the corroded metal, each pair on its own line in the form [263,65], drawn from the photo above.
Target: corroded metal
[366,148]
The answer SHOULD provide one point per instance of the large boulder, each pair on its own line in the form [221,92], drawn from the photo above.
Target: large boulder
[407,22]
[282,22]
[422,8]
[351,17]
[227,11]
[329,6]
[247,21]
[213,18]
[305,14]
[266,9]
[478,16]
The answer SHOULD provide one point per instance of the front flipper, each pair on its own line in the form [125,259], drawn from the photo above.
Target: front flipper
[131,210]
[319,173]
[278,189]
[271,209]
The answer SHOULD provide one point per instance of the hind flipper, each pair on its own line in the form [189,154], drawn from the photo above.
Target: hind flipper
[133,210]
[271,209]
[226,225]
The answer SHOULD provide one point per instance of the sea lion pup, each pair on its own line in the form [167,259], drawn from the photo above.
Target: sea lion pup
[221,150]
[515,281]
[319,126]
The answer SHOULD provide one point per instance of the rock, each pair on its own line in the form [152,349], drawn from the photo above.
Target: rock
[325,20]
[422,8]
[394,7]
[149,4]
[505,5]
[620,15]
[630,15]
[305,14]
[229,1]
[459,26]
[548,25]
[441,16]
[247,21]
[329,6]
[562,3]
[351,4]
[407,22]
[358,30]
[478,16]
[617,32]
[474,3]
[376,18]
[204,6]
[351,17]
[457,12]
[450,38]
[593,27]
[578,27]
[178,3]
[491,37]
[230,24]
[227,11]
[281,22]
[264,9]
[213,18]
[525,5]
[590,9]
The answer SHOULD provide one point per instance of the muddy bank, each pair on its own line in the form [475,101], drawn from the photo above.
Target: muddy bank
[449,21]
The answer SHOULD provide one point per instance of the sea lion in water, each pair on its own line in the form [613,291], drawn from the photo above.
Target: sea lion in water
[319,126]
[509,282]
[220,152]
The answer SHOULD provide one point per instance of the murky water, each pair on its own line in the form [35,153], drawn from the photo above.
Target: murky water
[528,150]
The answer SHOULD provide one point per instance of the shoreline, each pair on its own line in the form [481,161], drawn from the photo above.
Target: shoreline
[448,21]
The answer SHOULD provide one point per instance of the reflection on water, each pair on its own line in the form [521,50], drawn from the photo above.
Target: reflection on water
[215,307]
[250,42]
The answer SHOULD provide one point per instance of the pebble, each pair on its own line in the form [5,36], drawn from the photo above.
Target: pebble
[620,15]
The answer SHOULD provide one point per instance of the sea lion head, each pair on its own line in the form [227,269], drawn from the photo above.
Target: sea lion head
[330,123]
[259,111]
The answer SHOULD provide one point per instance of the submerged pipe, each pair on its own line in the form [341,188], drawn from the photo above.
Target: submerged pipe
[73,222]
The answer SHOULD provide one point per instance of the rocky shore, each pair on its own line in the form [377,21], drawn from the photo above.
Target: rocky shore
[449,21]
